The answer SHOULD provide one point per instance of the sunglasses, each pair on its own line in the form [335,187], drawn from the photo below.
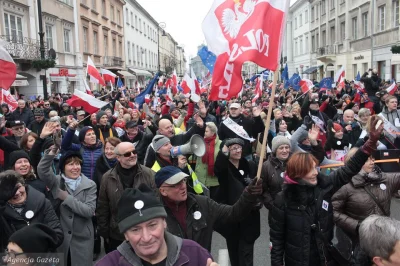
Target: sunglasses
[129,153]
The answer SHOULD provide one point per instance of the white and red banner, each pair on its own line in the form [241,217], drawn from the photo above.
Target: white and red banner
[8,69]
[239,31]
[7,98]
[89,103]
[94,74]
[108,76]
[306,85]
[392,88]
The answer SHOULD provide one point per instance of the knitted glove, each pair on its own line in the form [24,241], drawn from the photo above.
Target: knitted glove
[370,145]
[255,187]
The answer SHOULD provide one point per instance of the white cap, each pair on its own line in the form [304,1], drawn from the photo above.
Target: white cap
[234,105]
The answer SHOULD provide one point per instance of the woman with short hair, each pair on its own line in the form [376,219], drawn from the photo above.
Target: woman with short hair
[28,140]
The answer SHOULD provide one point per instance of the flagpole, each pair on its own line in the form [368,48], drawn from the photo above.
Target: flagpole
[264,143]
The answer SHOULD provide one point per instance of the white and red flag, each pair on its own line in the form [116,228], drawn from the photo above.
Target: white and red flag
[392,88]
[87,88]
[188,84]
[306,85]
[358,85]
[8,69]
[259,88]
[94,74]
[239,31]
[160,81]
[7,98]
[340,77]
[108,76]
[89,103]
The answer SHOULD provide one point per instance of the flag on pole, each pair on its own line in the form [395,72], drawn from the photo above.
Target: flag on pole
[89,103]
[208,58]
[358,77]
[8,69]
[294,81]
[340,78]
[326,83]
[392,88]
[87,88]
[239,31]
[306,85]
[187,84]
[94,74]
[174,82]
[7,98]
[196,83]
[140,99]
[259,88]
[108,76]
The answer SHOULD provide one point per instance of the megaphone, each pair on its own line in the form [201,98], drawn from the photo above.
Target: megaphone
[194,146]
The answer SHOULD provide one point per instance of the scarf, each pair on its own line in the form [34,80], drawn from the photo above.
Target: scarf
[208,158]
[72,184]
[126,175]
[110,163]
[110,134]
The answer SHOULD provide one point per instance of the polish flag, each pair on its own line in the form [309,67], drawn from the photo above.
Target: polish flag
[174,82]
[147,98]
[187,84]
[359,86]
[94,74]
[258,91]
[8,69]
[89,103]
[392,89]
[161,81]
[306,85]
[341,84]
[340,77]
[87,88]
[7,98]
[108,76]
[239,31]
[169,97]
[196,83]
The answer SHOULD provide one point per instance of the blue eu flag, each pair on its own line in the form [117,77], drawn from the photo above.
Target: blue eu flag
[208,58]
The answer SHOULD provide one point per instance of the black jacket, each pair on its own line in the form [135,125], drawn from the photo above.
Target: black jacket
[102,167]
[37,127]
[299,212]
[26,115]
[105,131]
[11,221]
[8,144]
[142,141]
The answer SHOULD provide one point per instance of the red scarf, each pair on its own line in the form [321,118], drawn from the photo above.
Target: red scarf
[208,158]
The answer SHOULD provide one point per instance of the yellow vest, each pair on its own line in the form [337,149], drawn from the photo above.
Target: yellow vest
[196,183]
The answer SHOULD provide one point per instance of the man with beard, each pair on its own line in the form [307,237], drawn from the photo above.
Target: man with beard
[140,139]
[251,126]
[126,174]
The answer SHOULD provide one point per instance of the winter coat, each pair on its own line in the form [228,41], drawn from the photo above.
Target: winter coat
[176,140]
[76,213]
[25,115]
[105,131]
[352,204]
[391,116]
[201,230]
[181,252]
[101,168]
[232,183]
[202,168]
[354,134]
[111,190]
[43,212]
[252,127]
[90,154]
[8,146]
[37,127]
[142,141]
[299,212]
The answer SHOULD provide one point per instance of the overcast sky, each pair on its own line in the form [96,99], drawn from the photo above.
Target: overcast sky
[183,19]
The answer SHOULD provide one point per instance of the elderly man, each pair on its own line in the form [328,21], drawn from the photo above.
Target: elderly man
[142,220]
[351,128]
[194,216]
[166,128]
[380,241]
[126,174]
[37,125]
[23,113]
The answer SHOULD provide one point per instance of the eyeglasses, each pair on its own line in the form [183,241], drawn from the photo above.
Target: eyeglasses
[12,254]
[46,104]
[177,185]
[18,128]
[129,153]
[237,149]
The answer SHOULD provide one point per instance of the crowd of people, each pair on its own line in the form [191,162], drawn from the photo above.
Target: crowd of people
[71,178]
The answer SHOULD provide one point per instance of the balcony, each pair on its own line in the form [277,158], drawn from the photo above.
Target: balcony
[327,53]
[21,48]
[112,61]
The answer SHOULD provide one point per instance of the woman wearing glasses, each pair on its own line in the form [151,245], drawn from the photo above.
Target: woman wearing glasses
[78,195]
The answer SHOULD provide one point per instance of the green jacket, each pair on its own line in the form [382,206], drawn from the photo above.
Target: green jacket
[201,168]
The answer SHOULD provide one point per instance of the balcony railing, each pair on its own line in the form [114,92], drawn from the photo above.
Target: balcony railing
[327,50]
[21,47]
[112,61]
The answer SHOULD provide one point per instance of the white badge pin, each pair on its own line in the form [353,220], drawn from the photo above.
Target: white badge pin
[197,215]
[29,214]
[282,174]
[338,142]
[241,172]
[383,186]
[139,205]
[325,205]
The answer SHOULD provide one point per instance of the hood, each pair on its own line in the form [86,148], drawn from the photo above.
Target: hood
[361,179]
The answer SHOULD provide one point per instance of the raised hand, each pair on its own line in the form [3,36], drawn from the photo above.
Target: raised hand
[256,111]
[211,263]
[313,133]
[48,130]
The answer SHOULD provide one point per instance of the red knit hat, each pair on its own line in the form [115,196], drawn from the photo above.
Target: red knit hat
[337,127]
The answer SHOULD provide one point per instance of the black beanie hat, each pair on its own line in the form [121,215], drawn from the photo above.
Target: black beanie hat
[65,156]
[83,132]
[15,155]
[99,115]
[138,205]
[35,238]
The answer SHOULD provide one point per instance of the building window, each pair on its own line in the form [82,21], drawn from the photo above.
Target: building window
[333,39]
[103,7]
[342,31]
[317,40]
[365,67]
[295,48]
[114,43]
[138,55]
[120,49]
[49,36]
[312,14]
[354,28]
[316,12]
[396,12]
[295,23]
[144,28]
[323,7]
[306,16]
[13,26]
[333,4]
[105,41]
[85,40]
[148,31]
[312,44]
[133,54]
[136,23]
[94,4]
[129,52]
[67,41]
[119,17]
[381,18]
[95,43]
[127,16]
[323,38]
[306,46]
[132,19]
[301,45]
[365,24]
[140,25]
[301,20]
[112,13]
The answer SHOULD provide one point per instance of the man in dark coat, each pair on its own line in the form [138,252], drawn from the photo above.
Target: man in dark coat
[103,129]
[37,125]
[23,113]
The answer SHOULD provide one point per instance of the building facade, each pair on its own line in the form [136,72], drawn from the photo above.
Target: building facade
[181,61]
[168,52]
[141,42]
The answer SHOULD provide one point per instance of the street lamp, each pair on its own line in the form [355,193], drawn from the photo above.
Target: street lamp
[160,25]
[42,48]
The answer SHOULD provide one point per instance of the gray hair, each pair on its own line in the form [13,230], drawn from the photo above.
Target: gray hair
[364,111]
[212,127]
[55,119]
[379,235]
[53,113]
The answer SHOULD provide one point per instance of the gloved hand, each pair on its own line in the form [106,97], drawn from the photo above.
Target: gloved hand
[375,133]
[255,187]
[57,139]
[62,194]
[308,122]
